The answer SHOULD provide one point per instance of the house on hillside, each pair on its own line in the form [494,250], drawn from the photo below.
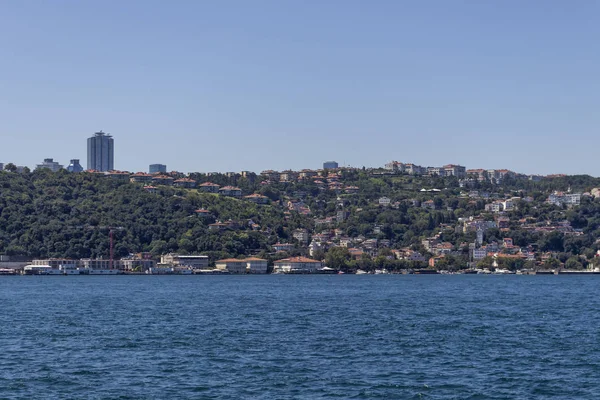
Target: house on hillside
[162,180]
[257,198]
[140,177]
[231,191]
[185,183]
[209,187]
[278,247]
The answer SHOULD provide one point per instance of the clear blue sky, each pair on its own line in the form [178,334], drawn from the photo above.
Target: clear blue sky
[250,85]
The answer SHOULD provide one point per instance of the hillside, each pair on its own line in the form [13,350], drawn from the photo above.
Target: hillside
[353,218]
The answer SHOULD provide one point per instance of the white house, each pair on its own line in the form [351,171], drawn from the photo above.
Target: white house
[384,201]
[297,265]
[193,261]
[256,265]
[232,265]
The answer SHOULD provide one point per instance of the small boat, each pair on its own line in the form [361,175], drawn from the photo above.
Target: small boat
[381,271]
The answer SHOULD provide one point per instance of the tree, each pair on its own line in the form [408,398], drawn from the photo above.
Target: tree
[10,167]
[573,263]
[551,263]
[337,257]
[318,254]
[485,263]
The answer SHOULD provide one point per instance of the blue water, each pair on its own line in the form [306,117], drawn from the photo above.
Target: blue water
[300,337]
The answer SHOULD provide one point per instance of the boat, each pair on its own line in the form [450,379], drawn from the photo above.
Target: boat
[326,270]
[381,272]
[7,271]
[426,271]
[361,272]
[159,271]
[182,271]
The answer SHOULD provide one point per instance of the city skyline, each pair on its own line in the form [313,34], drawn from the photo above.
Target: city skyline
[209,86]
[405,166]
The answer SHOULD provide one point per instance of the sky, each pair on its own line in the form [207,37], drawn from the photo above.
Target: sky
[285,84]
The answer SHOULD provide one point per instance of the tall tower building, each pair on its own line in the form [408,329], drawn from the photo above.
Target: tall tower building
[100,152]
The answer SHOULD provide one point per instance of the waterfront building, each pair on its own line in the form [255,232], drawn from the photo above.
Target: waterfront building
[297,265]
[193,261]
[256,265]
[50,164]
[157,168]
[99,264]
[74,166]
[133,263]
[100,152]
[232,265]
[330,165]
[56,263]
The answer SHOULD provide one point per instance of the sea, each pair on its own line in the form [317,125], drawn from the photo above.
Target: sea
[300,337]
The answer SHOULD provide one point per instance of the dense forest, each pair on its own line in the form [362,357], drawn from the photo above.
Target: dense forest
[45,214]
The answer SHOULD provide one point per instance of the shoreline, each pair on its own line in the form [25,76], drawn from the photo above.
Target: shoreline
[427,272]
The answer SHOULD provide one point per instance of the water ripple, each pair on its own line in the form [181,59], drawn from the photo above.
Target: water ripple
[300,337]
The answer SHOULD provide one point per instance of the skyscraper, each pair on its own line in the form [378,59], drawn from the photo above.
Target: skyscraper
[100,152]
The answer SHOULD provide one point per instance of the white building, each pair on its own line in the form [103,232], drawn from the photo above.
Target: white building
[559,198]
[256,265]
[496,207]
[192,261]
[480,253]
[232,265]
[301,235]
[297,265]
[508,205]
[384,201]
[283,246]
[455,170]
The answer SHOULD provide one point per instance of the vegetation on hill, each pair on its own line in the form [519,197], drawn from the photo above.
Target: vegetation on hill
[45,214]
